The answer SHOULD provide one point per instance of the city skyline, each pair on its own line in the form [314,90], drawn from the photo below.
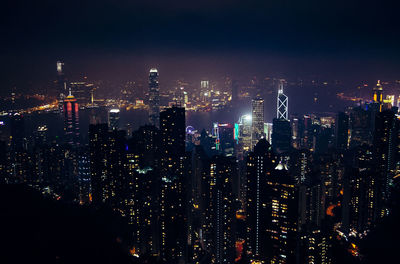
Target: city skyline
[211,132]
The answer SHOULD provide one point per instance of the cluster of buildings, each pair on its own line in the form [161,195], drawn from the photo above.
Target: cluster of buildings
[249,192]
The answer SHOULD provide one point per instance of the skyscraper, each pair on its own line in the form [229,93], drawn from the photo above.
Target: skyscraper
[102,184]
[61,87]
[342,131]
[282,107]
[18,154]
[221,217]
[385,140]
[71,120]
[378,94]
[281,135]
[260,164]
[282,223]
[173,132]
[154,97]
[172,199]
[113,119]
[257,120]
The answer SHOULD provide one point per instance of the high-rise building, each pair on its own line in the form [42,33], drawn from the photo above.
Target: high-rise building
[257,120]
[342,131]
[268,131]
[198,195]
[282,109]
[102,183]
[113,119]
[173,198]
[281,135]
[260,164]
[361,126]
[361,187]
[85,196]
[71,120]
[221,213]
[18,154]
[143,183]
[172,132]
[282,223]
[378,95]
[243,133]
[17,125]
[61,80]
[205,91]
[154,97]
[271,207]
[82,91]
[385,142]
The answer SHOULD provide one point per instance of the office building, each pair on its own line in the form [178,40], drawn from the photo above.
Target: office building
[282,109]
[154,97]
[113,119]
[71,121]
[281,135]
[257,120]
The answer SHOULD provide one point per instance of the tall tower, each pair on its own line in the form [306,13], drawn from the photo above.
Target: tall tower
[281,135]
[257,120]
[71,120]
[341,131]
[61,87]
[282,109]
[221,209]
[260,164]
[378,95]
[113,119]
[173,210]
[154,98]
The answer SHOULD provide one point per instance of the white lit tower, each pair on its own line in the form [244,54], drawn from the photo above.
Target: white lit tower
[282,109]
[257,120]
[154,98]
[113,119]
[61,87]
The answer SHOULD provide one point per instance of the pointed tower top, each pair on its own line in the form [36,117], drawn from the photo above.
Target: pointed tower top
[378,85]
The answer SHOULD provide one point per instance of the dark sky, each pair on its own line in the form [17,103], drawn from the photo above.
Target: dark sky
[119,39]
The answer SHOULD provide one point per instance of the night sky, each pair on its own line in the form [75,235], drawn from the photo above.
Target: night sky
[121,39]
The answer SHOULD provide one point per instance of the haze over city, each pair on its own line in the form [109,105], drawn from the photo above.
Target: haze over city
[199,132]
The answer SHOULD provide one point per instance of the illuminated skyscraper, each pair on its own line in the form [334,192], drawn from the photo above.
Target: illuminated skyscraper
[271,207]
[113,119]
[282,223]
[385,142]
[221,213]
[260,164]
[243,135]
[361,126]
[173,132]
[257,120]
[61,87]
[107,161]
[205,92]
[82,91]
[172,200]
[154,97]
[71,120]
[102,185]
[378,93]
[282,108]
